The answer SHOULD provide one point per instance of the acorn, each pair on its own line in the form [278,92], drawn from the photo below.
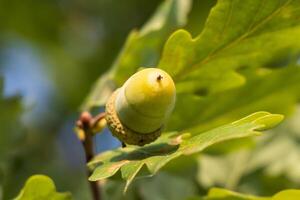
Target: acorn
[137,112]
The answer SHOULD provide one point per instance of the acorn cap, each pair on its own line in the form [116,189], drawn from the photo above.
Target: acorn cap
[122,132]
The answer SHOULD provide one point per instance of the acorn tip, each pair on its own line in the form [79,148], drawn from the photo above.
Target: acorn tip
[159,77]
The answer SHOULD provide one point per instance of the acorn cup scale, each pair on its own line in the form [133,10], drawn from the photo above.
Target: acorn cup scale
[137,112]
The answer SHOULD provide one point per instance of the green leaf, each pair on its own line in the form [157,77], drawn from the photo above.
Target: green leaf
[287,195]
[151,158]
[275,93]
[39,187]
[275,156]
[223,194]
[237,34]
[219,194]
[280,154]
[142,48]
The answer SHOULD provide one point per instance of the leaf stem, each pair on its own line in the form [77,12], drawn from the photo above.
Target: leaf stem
[86,123]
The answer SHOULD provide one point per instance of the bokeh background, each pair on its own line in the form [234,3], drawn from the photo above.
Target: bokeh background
[51,53]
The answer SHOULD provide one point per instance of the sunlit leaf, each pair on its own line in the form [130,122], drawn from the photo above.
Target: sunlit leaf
[40,187]
[223,194]
[237,34]
[153,157]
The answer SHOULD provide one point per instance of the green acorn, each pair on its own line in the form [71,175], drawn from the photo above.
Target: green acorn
[137,112]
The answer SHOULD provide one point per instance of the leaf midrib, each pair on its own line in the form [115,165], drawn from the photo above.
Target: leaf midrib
[181,74]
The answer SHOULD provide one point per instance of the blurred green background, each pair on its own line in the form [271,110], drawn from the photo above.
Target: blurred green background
[51,52]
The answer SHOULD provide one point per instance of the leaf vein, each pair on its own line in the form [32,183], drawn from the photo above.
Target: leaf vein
[231,44]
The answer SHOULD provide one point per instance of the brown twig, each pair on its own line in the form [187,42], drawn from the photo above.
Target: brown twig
[86,123]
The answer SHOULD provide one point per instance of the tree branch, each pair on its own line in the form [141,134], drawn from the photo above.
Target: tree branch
[87,124]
